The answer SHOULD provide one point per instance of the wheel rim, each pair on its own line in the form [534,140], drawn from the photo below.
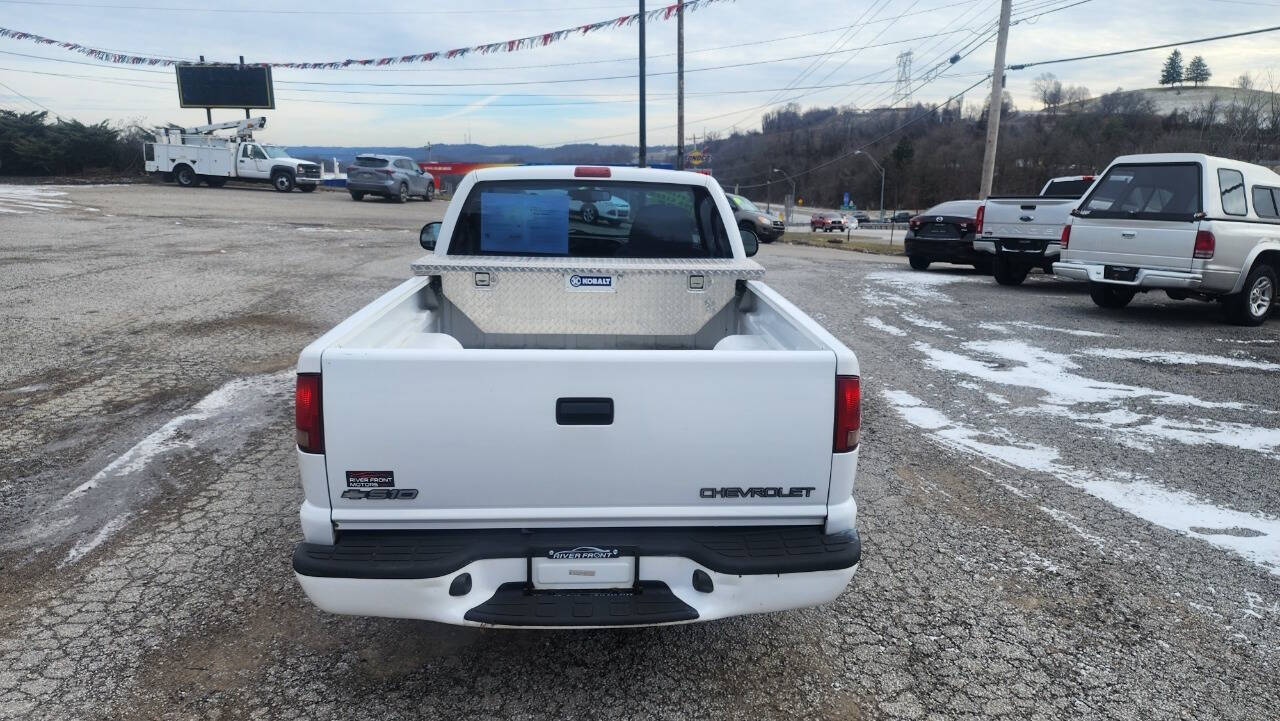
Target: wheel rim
[404,193]
[1260,296]
[184,176]
[589,214]
[282,182]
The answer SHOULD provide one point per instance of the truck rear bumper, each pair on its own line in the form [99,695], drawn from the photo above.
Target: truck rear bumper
[1144,278]
[480,578]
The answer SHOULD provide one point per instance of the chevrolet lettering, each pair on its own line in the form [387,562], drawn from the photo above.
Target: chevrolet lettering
[757,492]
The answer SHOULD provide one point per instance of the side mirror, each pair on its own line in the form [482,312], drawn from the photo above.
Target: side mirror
[428,235]
[750,242]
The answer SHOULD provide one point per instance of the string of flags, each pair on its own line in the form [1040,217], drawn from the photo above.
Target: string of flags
[505,46]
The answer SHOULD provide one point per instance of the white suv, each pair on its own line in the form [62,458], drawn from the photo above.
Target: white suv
[1192,225]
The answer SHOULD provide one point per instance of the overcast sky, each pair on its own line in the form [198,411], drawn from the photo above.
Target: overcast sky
[746,31]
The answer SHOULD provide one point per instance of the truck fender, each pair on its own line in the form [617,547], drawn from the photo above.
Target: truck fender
[288,169]
[1259,249]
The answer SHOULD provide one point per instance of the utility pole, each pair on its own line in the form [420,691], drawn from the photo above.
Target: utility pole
[208,114]
[997,99]
[643,151]
[680,85]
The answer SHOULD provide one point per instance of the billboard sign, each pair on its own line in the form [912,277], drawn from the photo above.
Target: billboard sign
[225,86]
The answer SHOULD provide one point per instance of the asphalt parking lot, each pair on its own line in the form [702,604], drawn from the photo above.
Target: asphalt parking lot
[1067,512]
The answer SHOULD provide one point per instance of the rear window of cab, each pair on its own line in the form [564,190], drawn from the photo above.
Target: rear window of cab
[1156,191]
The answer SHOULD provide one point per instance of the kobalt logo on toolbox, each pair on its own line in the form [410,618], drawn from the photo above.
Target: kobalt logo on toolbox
[591,282]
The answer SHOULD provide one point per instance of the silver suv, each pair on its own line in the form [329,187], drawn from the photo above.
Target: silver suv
[1192,225]
[394,177]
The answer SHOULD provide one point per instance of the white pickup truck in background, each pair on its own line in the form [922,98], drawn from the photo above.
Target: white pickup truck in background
[555,423]
[1023,232]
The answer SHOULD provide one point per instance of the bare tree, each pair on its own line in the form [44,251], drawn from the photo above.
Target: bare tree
[1049,91]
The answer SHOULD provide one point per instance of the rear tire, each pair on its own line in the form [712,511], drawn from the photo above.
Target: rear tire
[282,182]
[1254,304]
[185,176]
[1007,273]
[918,262]
[357,195]
[1110,296]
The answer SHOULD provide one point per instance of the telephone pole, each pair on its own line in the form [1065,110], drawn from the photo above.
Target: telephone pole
[642,160]
[680,85]
[997,99]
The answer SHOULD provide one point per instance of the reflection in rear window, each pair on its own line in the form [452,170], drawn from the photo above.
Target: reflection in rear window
[584,219]
[1146,192]
[371,162]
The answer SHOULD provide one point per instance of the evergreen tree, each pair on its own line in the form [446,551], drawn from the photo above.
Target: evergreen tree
[1198,71]
[1171,73]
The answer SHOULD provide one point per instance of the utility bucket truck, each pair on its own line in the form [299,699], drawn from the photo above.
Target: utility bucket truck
[190,156]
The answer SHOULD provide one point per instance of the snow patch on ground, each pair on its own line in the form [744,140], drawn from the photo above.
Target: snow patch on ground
[1171,358]
[1137,430]
[1052,329]
[1253,536]
[882,326]
[918,286]
[228,399]
[25,198]
[995,327]
[1018,364]
[926,322]
[82,549]
[1069,521]
[1259,341]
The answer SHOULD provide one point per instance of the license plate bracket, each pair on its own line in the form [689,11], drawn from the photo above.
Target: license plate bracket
[1119,272]
[583,567]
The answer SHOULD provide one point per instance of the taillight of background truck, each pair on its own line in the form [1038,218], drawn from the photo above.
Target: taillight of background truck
[1205,243]
[848,413]
[977,221]
[306,413]
[1066,236]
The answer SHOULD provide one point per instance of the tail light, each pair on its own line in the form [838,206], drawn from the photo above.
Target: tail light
[1205,243]
[306,413]
[977,221]
[591,171]
[848,414]
[914,223]
[1066,236]
[386,171]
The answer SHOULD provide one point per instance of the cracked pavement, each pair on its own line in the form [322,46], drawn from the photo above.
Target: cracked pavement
[1061,519]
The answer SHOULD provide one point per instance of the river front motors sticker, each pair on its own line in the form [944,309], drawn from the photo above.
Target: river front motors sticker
[597,283]
[371,479]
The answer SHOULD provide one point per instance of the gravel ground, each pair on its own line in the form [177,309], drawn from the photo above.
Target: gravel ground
[1067,513]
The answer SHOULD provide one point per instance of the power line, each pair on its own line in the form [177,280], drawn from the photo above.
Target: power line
[1024,66]
[255,11]
[29,100]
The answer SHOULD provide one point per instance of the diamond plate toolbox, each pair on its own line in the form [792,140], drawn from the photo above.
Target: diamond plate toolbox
[611,296]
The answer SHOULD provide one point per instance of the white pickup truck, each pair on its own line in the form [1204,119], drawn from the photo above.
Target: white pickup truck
[1022,232]
[190,156]
[558,423]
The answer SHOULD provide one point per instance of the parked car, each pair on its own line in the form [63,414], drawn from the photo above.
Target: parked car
[749,217]
[826,222]
[901,216]
[861,216]
[1021,232]
[623,494]
[1192,225]
[598,206]
[394,177]
[944,234]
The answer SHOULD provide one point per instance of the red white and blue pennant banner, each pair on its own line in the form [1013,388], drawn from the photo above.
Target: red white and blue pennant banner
[506,46]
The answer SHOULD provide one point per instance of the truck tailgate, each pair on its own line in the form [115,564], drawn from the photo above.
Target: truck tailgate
[696,437]
[1030,218]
